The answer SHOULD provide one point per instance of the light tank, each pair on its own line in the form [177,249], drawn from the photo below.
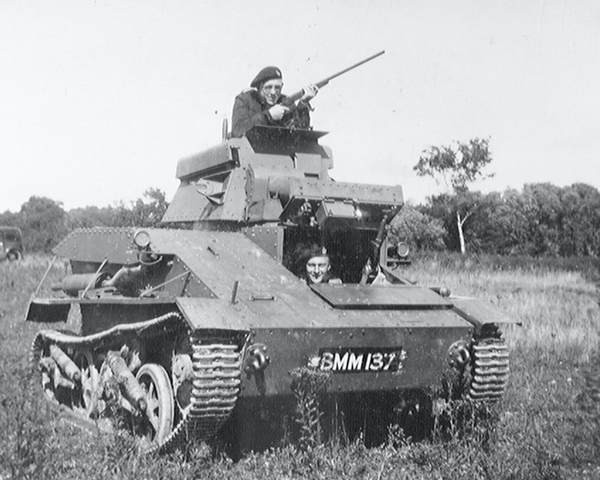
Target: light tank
[208,329]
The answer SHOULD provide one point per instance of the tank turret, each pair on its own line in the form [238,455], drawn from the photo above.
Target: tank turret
[274,185]
[272,175]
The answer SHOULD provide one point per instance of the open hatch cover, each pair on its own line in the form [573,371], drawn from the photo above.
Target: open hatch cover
[393,297]
[285,141]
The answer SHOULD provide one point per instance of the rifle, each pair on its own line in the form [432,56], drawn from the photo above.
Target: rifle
[322,83]
[371,269]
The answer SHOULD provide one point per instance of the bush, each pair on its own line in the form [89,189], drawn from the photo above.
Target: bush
[419,230]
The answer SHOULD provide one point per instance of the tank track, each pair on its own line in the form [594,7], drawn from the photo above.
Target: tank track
[146,329]
[216,374]
[216,386]
[489,370]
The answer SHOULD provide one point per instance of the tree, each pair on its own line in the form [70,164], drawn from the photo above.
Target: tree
[42,221]
[152,208]
[580,220]
[457,166]
[508,226]
[91,216]
[144,212]
[9,218]
[541,205]
[419,230]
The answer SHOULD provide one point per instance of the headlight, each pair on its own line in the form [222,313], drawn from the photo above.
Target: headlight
[142,239]
[402,249]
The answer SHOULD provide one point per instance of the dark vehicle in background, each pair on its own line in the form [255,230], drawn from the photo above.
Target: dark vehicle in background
[11,243]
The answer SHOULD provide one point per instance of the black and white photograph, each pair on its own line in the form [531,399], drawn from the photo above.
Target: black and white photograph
[287,240]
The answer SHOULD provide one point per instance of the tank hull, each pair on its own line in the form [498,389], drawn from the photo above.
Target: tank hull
[219,326]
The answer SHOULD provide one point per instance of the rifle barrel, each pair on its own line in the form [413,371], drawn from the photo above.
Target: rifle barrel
[325,81]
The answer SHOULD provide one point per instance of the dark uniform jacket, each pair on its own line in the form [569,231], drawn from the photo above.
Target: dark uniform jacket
[249,109]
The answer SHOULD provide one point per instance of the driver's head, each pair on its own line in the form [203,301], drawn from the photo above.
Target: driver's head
[269,83]
[317,268]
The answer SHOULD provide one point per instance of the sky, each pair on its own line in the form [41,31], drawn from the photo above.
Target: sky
[100,99]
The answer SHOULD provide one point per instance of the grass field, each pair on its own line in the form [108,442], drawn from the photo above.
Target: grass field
[547,427]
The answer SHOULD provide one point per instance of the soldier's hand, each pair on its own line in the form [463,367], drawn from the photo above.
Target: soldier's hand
[368,268]
[366,271]
[278,111]
[310,91]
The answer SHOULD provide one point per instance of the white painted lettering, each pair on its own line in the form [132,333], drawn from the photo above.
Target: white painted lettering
[327,361]
[377,361]
[355,362]
[340,363]
[389,362]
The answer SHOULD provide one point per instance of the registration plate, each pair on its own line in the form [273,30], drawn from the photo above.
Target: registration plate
[359,360]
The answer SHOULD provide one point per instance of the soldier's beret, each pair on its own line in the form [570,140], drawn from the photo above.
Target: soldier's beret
[266,74]
[306,252]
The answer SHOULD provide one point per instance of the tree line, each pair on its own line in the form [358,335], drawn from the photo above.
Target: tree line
[541,219]
[44,222]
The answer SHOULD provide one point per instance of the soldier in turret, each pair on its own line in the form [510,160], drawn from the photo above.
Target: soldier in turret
[264,104]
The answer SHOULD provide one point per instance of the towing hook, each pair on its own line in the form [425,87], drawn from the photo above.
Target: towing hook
[458,354]
[256,359]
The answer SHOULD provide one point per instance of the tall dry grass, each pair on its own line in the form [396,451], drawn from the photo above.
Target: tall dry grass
[558,309]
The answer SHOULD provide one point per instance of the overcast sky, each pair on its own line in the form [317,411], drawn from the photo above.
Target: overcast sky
[99,99]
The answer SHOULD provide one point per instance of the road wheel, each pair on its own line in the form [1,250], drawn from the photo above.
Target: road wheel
[82,400]
[158,419]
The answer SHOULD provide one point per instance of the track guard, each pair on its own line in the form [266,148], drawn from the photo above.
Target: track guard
[44,310]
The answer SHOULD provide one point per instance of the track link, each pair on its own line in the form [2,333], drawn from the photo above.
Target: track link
[490,369]
[216,386]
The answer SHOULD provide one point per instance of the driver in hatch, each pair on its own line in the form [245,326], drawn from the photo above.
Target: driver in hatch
[318,267]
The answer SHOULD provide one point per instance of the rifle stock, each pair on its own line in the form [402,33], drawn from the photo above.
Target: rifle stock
[296,96]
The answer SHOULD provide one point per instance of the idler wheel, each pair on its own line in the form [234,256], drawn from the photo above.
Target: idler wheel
[158,418]
[83,398]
